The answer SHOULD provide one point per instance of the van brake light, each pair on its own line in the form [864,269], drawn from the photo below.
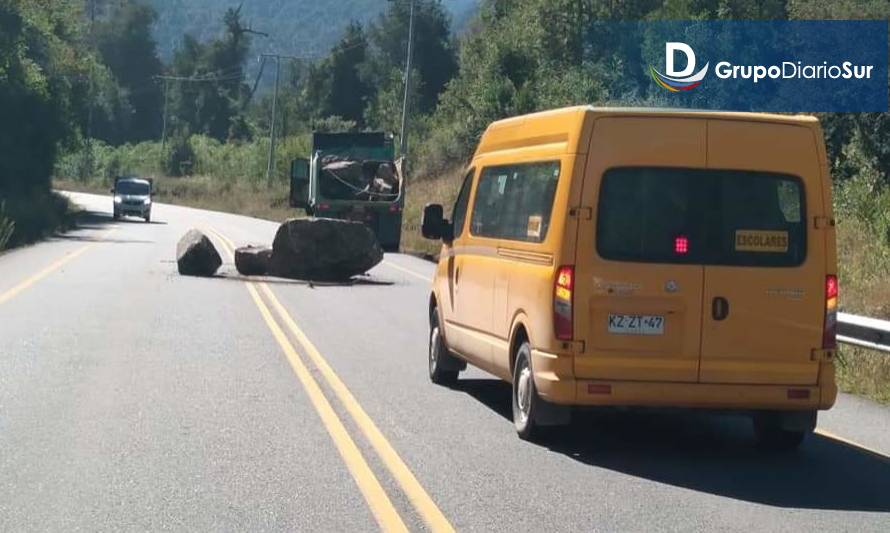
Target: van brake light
[563,316]
[681,245]
[829,329]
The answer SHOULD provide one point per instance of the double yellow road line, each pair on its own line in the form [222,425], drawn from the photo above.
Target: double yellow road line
[376,497]
[10,293]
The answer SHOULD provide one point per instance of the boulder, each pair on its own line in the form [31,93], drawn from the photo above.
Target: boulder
[323,249]
[253,260]
[196,255]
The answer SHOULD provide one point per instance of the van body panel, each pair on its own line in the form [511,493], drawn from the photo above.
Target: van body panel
[561,131]
[473,278]
[775,314]
[605,287]
[521,272]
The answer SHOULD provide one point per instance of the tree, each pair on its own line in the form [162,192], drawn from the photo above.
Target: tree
[208,99]
[335,85]
[126,46]
[349,92]
[44,81]
[434,56]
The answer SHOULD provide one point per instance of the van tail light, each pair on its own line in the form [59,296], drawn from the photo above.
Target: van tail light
[562,303]
[829,330]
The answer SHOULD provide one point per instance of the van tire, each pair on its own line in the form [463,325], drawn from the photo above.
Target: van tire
[526,401]
[444,368]
[782,432]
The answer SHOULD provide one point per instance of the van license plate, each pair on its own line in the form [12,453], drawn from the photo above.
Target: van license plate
[636,324]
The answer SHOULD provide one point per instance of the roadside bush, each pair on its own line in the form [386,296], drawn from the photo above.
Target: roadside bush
[27,218]
[7,227]
[179,158]
[197,155]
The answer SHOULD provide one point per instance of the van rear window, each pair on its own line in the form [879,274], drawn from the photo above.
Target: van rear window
[701,216]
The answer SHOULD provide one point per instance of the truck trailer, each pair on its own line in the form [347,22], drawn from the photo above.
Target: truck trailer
[352,176]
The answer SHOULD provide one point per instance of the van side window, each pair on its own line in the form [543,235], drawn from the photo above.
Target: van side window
[459,214]
[514,202]
[719,217]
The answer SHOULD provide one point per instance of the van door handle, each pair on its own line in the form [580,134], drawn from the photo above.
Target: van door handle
[719,308]
[457,275]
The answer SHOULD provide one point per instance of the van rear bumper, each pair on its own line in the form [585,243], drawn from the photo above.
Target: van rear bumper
[553,382]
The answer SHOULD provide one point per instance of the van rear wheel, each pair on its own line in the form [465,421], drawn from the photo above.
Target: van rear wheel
[533,416]
[525,396]
[444,367]
[783,432]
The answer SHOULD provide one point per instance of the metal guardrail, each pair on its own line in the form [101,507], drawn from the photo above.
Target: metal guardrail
[863,331]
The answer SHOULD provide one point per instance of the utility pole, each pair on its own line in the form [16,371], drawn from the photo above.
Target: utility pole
[271,165]
[403,137]
[88,164]
[270,168]
[164,130]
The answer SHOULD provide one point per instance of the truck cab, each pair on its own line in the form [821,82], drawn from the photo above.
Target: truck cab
[352,176]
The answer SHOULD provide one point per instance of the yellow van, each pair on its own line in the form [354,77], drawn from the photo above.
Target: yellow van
[639,257]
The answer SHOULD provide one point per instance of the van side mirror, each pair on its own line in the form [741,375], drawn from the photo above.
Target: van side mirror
[433,224]
[299,183]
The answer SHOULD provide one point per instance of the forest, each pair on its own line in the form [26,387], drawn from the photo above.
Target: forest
[89,94]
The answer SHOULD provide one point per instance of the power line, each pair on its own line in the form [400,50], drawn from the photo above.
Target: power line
[193,79]
[168,79]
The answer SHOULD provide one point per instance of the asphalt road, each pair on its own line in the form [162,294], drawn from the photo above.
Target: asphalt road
[135,399]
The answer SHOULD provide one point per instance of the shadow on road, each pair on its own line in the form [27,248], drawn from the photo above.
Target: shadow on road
[712,454]
[97,221]
[358,281]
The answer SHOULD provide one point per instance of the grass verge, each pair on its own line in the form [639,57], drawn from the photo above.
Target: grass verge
[438,190]
[864,372]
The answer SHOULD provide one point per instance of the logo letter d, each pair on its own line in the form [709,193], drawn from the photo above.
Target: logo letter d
[669,51]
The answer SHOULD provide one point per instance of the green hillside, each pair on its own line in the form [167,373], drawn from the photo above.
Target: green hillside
[294,26]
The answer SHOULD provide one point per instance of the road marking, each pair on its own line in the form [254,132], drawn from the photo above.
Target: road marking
[853,444]
[412,488]
[12,292]
[377,499]
[417,495]
[407,271]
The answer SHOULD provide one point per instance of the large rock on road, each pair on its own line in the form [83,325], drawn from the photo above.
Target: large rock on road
[323,249]
[196,255]
[253,260]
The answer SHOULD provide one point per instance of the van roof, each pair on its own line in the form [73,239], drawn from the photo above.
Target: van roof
[565,126]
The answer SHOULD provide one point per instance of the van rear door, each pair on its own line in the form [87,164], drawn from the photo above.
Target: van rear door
[638,297]
[764,282]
